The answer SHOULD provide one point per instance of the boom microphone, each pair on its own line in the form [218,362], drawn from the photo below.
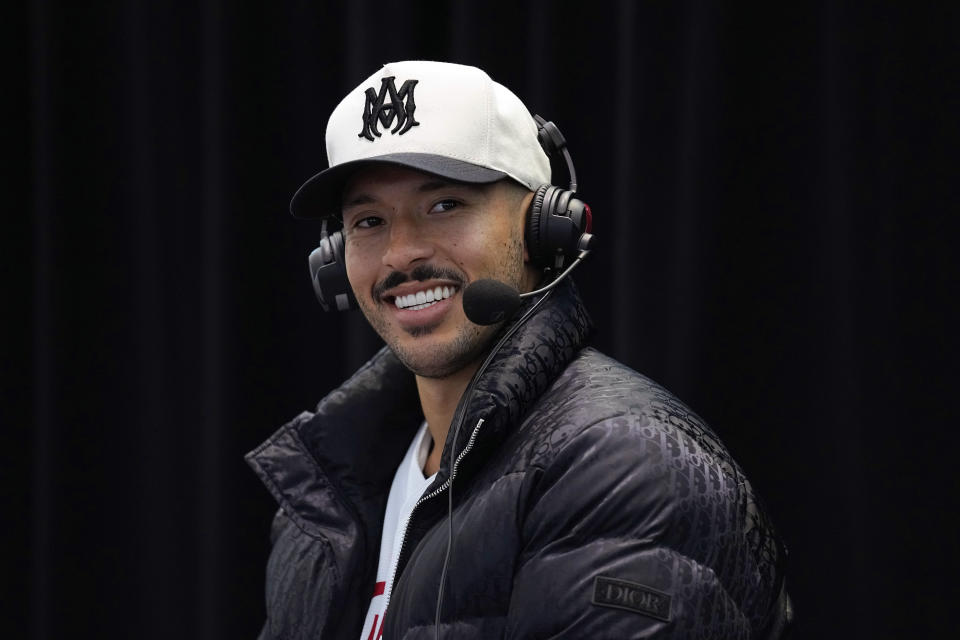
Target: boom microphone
[489,301]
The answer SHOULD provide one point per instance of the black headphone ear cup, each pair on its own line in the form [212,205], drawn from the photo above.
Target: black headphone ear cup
[533,231]
[328,271]
[336,247]
[555,224]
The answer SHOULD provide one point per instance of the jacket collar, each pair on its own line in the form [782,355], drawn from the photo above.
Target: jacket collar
[351,446]
[523,366]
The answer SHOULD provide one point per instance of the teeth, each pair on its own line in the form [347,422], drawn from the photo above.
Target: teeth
[424,299]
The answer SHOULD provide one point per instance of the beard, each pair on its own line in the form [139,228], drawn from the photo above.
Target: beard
[469,343]
[447,358]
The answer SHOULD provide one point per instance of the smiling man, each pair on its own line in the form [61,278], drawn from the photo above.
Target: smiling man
[501,481]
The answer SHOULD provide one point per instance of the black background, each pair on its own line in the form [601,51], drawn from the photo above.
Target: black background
[774,190]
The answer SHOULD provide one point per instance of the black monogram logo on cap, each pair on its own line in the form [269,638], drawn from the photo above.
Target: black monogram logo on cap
[400,107]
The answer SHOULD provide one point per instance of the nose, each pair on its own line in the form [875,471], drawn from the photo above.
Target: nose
[407,246]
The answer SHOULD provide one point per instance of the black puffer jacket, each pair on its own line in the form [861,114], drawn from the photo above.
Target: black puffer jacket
[588,503]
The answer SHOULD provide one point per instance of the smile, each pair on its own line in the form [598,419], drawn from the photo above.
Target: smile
[425,298]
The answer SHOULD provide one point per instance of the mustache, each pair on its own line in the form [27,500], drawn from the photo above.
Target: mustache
[420,273]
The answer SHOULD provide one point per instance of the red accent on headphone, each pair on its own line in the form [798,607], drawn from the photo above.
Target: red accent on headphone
[589,218]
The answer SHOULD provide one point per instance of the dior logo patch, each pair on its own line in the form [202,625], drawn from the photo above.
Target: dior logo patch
[620,594]
[389,105]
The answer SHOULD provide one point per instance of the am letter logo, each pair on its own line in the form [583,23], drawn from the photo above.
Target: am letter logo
[389,105]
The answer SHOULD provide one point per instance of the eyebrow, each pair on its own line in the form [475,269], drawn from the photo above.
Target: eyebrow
[426,187]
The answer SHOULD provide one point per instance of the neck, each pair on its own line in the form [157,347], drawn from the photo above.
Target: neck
[438,399]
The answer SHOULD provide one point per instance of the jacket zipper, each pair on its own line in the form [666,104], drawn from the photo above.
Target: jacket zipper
[406,530]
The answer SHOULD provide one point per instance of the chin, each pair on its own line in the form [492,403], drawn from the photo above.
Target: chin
[434,358]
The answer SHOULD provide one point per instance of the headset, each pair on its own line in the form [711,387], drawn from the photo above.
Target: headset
[557,228]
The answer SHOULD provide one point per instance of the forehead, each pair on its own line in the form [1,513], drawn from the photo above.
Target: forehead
[368,183]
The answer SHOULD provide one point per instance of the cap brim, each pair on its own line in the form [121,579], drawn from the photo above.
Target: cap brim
[320,196]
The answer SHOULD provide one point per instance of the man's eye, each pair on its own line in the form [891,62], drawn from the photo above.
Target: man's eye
[367,222]
[444,205]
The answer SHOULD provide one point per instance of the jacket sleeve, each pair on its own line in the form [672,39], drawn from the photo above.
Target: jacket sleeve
[300,580]
[280,522]
[636,528]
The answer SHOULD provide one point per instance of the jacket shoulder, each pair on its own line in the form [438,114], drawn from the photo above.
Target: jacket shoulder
[595,390]
[636,432]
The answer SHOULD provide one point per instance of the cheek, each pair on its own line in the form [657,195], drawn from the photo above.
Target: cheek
[473,251]
[358,268]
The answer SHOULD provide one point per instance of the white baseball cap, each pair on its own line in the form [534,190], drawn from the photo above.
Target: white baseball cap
[448,120]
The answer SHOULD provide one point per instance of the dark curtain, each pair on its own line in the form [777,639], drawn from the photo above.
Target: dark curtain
[774,190]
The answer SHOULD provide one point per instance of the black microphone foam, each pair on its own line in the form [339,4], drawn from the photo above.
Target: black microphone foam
[489,301]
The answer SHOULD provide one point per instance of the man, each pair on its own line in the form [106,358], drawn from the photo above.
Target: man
[490,481]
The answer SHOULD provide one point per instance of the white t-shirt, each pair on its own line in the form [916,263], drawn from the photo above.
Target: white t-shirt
[408,485]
